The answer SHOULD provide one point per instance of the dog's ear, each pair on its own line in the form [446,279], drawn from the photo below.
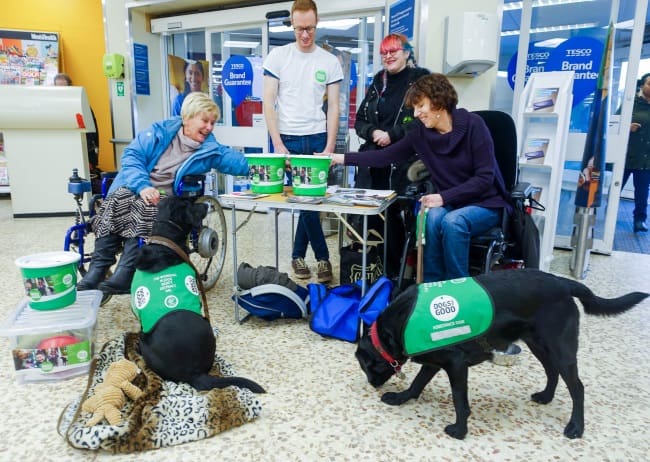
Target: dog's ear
[196,213]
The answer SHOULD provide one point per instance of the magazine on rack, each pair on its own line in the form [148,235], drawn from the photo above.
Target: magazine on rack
[543,100]
[535,150]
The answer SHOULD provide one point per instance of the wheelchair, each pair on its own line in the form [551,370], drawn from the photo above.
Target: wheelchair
[502,247]
[207,245]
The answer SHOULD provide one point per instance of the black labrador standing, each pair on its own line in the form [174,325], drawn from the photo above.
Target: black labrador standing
[180,346]
[530,305]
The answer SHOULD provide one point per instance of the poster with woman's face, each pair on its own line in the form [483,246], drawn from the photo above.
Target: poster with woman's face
[186,76]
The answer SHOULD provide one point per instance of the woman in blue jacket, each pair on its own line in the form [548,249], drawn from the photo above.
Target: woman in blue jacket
[152,165]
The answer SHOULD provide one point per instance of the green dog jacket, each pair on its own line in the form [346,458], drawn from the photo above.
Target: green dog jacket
[446,313]
[153,295]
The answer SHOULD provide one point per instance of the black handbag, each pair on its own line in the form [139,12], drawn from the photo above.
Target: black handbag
[351,263]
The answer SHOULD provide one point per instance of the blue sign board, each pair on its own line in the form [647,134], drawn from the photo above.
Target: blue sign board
[402,18]
[579,54]
[237,78]
[141,65]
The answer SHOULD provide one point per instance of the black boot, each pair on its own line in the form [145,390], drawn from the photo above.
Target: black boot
[103,257]
[120,280]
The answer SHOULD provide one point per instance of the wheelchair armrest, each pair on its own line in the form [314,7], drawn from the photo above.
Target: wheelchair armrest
[521,191]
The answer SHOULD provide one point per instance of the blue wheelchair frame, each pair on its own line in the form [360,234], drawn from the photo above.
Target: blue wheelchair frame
[208,245]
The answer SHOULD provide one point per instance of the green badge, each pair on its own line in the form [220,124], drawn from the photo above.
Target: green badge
[321,76]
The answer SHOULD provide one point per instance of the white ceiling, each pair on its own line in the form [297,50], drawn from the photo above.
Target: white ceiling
[169,7]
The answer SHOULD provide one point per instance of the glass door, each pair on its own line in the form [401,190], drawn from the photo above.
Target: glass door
[236,77]
[571,35]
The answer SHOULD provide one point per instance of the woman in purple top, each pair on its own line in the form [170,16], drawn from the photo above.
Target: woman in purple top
[457,149]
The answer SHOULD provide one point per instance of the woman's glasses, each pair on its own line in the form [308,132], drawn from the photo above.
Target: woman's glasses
[309,29]
[390,51]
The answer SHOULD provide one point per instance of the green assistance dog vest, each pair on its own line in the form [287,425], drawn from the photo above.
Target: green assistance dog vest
[153,295]
[446,313]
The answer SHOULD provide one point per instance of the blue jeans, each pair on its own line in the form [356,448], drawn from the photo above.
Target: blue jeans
[448,233]
[309,228]
[641,180]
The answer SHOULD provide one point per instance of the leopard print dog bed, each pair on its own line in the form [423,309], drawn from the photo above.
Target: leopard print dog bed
[167,414]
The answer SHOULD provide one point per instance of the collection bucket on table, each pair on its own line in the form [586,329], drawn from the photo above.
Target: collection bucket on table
[310,174]
[266,172]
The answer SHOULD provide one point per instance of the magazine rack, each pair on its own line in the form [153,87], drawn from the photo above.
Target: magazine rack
[542,130]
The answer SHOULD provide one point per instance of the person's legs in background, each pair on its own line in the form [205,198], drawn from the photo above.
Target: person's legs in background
[309,229]
[641,180]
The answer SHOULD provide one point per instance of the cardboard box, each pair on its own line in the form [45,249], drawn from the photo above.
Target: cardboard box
[52,345]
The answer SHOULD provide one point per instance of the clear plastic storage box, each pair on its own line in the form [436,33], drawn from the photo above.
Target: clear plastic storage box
[52,345]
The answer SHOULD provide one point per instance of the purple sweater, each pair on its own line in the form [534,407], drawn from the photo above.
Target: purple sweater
[461,163]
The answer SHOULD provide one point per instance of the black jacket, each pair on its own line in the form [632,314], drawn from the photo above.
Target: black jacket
[386,111]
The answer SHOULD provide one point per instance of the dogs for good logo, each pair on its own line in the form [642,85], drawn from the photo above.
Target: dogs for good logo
[320,76]
[141,297]
[171,301]
[444,308]
[190,285]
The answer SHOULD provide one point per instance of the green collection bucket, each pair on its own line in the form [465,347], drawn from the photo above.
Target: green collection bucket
[266,172]
[50,279]
[310,175]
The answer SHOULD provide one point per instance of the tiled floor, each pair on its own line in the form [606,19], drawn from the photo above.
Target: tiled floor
[625,238]
[318,405]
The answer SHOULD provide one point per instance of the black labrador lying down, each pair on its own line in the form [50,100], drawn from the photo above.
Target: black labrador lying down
[530,305]
[180,345]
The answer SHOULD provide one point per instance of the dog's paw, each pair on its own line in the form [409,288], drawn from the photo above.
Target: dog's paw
[456,431]
[573,430]
[542,397]
[395,399]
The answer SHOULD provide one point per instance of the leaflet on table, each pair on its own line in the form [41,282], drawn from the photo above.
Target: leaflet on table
[304,199]
[367,193]
[353,199]
[244,195]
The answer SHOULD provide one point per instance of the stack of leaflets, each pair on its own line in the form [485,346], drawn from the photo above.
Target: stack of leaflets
[305,199]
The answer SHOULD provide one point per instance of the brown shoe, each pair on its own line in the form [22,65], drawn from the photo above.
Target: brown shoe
[324,271]
[300,268]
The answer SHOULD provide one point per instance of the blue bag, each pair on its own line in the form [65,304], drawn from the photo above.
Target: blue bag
[273,301]
[340,312]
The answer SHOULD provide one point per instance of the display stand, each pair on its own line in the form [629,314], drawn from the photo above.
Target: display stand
[44,132]
[542,129]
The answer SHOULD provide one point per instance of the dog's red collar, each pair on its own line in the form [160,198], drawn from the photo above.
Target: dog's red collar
[374,338]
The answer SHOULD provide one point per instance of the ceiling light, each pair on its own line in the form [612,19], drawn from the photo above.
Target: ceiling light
[550,43]
[335,24]
[540,30]
[538,3]
[278,29]
[339,24]
[240,44]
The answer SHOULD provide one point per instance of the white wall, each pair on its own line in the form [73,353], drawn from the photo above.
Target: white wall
[474,93]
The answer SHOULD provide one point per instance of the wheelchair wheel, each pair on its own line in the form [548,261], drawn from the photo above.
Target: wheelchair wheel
[208,247]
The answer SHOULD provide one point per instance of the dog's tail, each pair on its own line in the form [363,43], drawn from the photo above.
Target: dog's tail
[208,382]
[599,306]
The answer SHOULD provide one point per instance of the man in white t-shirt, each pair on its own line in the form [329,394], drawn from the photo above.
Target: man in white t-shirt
[297,77]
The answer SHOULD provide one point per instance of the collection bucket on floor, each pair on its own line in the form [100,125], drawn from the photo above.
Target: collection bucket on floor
[50,279]
[310,174]
[266,172]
